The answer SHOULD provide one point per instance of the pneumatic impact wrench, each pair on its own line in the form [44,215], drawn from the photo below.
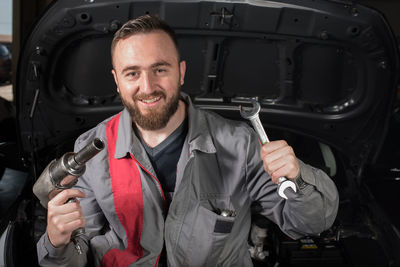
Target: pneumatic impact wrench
[63,174]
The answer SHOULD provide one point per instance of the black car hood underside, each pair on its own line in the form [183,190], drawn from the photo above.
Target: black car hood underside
[324,69]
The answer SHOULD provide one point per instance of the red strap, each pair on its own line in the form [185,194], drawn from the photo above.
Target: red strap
[128,201]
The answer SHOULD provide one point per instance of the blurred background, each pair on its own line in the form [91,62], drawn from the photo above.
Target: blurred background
[6,49]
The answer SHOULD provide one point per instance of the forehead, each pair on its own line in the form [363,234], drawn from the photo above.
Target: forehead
[145,48]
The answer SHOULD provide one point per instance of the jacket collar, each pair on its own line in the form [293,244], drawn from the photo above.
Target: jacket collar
[199,136]
[127,140]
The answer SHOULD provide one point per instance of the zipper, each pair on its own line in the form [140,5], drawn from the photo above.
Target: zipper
[160,190]
[159,187]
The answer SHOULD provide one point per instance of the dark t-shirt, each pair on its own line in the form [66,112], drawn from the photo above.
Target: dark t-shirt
[164,158]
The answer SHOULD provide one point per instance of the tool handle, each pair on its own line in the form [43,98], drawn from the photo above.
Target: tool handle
[257,125]
[77,232]
[259,129]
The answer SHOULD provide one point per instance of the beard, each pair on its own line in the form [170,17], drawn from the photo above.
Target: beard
[156,118]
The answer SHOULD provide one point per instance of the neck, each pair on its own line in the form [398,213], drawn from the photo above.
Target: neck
[155,137]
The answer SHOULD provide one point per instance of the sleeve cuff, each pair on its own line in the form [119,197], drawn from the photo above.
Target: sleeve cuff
[56,252]
[305,177]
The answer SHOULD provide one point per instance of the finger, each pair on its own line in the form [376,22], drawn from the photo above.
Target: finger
[281,172]
[64,209]
[66,225]
[272,146]
[66,194]
[273,167]
[289,170]
[53,193]
[278,154]
[58,218]
[274,160]
[279,159]
[287,160]
[278,174]
[275,180]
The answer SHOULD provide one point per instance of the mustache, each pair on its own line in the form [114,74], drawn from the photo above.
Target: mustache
[149,96]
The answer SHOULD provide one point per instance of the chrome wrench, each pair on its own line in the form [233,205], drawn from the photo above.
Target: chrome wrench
[252,115]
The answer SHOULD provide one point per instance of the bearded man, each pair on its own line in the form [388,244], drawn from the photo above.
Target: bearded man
[175,184]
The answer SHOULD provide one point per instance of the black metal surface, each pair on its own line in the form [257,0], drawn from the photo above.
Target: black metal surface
[323,69]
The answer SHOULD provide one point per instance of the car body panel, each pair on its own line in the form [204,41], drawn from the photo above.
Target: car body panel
[324,69]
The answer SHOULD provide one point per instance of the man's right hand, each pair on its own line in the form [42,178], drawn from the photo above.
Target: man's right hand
[63,218]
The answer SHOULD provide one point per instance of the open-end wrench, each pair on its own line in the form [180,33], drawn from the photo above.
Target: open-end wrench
[252,115]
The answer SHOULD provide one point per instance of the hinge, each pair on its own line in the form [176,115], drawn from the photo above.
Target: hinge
[225,16]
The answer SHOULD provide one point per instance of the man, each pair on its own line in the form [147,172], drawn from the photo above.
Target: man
[159,192]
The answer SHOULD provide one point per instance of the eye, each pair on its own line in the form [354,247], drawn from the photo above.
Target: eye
[160,70]
[132,74]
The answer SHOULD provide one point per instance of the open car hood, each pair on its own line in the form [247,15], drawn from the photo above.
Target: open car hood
[324,69]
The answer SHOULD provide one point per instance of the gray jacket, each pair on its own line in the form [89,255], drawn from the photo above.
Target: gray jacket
[219,168]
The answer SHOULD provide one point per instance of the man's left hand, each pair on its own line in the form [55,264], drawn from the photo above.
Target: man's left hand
[279,160]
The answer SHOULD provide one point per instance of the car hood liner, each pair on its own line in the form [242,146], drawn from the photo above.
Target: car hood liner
[323,69]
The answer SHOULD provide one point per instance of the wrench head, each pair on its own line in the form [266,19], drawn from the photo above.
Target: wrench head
[286,184]
[248,113]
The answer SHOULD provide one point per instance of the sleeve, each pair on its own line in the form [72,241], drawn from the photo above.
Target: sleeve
[63,256]
[310,211]
[95,220]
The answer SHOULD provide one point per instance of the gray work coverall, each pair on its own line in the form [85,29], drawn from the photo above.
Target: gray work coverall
[219,168]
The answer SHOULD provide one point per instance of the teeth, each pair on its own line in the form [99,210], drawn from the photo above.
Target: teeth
[151,100]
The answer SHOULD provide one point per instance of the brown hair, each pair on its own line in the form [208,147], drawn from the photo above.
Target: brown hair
[143,24]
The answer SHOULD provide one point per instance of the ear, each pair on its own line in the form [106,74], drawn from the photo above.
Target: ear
[182,70]
[115,79]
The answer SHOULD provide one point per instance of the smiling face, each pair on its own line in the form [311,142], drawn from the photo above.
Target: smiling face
[148,75]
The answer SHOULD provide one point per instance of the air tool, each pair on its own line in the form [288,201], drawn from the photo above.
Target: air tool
[62,174]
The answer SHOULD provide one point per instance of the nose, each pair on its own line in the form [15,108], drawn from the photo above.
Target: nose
[146,83]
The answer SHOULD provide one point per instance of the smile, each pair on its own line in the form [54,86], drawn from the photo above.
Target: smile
[152,100]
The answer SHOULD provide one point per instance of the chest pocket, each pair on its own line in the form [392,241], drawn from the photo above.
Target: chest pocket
[212,226]
[206,191]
